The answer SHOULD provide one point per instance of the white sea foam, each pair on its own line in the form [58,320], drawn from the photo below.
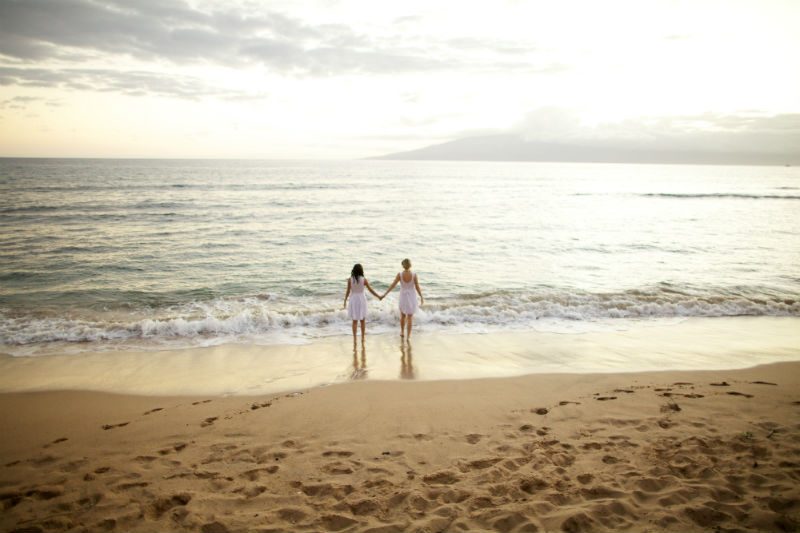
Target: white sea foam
[256,319]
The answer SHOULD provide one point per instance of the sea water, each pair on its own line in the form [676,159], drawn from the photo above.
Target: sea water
[102,255]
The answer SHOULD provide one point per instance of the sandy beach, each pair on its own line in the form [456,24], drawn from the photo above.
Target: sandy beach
[658,451]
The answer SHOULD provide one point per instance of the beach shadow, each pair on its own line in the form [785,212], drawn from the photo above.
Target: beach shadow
[359,366]
[406,363]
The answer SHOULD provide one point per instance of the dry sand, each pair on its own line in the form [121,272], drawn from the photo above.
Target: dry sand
[677,451]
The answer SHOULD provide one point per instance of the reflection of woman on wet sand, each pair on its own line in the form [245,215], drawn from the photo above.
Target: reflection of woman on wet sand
[406,365]
[359,371]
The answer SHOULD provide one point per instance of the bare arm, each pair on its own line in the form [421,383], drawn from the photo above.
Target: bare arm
[375,294]
[392,286]
[419,291]
[346,294]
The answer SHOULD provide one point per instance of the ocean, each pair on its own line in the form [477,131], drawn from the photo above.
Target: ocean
[104,255]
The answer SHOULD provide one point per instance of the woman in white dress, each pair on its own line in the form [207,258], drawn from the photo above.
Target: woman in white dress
[408,300]
[357,309]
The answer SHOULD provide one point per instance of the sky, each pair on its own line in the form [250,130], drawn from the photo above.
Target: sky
[351,79]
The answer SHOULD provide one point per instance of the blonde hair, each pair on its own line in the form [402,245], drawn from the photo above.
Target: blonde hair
[406,263]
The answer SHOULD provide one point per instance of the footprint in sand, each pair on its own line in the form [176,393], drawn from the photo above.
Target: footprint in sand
[208,421]
[199,402]
[666,423]
[721,384]
[251,492]
[337,453]
[57,441]
[133,485]
[157,409]
[325,490]
[626,391]
[540,410]
[670,407]
[566,402]
[292,515]
[474,438]
[337,468]
[174,448]
[480,464]
[334,522]
[441,478]
[763,383]
[106,427]
[605,398]
[734,393]
[214,527]
[391,454]
[162,505]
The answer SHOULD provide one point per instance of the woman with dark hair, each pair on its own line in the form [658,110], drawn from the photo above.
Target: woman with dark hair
[357,310]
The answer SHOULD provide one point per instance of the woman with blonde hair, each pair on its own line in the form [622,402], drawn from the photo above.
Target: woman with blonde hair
[408,300]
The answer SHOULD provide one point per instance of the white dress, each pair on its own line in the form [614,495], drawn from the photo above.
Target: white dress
[357,306]
[408,295]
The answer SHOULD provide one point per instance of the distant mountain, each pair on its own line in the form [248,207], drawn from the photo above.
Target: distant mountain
[511,147]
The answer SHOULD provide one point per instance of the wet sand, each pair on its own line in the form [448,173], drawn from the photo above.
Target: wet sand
[249,369]
[659,451]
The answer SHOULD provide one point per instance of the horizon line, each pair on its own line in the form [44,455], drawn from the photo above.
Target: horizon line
[384,159]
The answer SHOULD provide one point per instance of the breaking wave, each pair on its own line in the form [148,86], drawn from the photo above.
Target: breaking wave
[262,320]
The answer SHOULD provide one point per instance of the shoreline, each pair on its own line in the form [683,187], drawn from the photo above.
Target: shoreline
[249,369]
[661,451]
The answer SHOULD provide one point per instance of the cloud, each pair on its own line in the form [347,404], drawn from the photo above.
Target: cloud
[131,82]
[18,102]
[173,31]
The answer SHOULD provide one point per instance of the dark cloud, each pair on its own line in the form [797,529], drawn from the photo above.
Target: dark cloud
[172,31]
[132,83]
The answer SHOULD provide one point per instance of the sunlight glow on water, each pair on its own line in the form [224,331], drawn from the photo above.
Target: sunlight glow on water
[182,253]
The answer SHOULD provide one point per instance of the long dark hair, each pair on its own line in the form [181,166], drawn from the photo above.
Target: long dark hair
[357,272]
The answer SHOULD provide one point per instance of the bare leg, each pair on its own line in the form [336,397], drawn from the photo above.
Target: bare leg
[363,328]
[402,323]
[409,320]
[354,329]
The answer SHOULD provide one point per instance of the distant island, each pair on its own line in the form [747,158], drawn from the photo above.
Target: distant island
[513,147]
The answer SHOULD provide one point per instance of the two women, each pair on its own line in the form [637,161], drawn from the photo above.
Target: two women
[357,310]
